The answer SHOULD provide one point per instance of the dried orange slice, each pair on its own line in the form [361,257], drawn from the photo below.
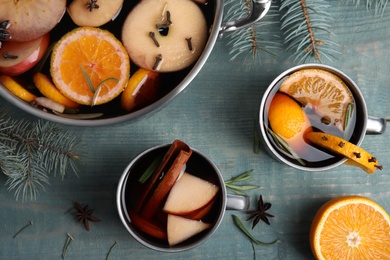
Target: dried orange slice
[351,227]
[288,119]
[18,90]
[356,155]
[47,88]
[142,89]
[323,92]
[90,66]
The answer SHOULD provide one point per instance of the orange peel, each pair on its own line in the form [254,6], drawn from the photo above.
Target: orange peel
[356,155]
[17,89]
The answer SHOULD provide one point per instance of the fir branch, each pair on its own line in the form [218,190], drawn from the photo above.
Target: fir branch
[31,151]
[379,5]
[307,29]
[251,41]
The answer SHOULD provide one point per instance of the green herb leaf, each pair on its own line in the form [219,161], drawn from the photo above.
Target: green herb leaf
[238,189]
[97,91]
[348,114]
[87,78]
[239,224]
[149,171]
[285,146]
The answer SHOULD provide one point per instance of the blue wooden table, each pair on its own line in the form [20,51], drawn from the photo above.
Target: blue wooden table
[215,114]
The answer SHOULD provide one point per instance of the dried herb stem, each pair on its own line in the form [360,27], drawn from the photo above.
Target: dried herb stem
[30,223]
[239,224]
[69,239]
[109,251]
[240,189]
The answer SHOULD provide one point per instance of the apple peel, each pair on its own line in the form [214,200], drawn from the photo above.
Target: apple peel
[171,164]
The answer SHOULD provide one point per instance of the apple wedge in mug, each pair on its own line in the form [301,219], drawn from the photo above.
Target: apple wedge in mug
[171,204]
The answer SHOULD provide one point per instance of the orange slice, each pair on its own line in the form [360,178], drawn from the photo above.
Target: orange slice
[351,227]
[323,92]
[90,66]
[18,90]
[356,155]
[288,119]
[47,88]
[142,89]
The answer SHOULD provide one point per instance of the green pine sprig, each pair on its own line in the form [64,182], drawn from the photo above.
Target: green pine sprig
[307,30]
[32,151]
[255,40]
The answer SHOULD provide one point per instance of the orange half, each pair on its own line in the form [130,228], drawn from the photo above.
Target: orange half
[351,227]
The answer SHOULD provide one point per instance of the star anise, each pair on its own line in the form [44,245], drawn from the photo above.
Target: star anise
[260,213]
[84,214]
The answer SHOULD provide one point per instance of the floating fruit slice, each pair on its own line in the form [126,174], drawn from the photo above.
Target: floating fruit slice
[351,227]
[90,66]
[89,13]
[12,85]
[323,92]
[47,88]
[142,89]
[288,120]
[356,155]
[31,19]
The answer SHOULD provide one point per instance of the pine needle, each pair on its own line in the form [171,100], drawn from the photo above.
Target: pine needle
[255,40]
[31,151]
[307,30]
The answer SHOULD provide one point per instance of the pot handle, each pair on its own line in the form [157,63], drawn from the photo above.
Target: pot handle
[259,10]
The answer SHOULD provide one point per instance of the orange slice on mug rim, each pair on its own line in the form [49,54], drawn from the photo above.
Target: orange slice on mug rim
[323,92]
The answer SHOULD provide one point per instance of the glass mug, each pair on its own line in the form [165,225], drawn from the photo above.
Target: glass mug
[364,124]
[199,165]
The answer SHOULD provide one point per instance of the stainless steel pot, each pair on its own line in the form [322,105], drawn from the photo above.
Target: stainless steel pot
[217,29]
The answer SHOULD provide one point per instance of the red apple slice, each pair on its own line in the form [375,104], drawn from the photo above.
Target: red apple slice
[200,213]
[148,227]
[180,229]
[31,19]
[189,194]
[18,57]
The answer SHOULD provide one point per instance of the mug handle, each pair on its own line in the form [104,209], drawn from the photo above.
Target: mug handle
[375,125]
[259,10]
[237,202]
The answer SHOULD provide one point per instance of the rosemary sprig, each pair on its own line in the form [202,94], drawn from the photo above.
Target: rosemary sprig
[285,146]
[149,171]
[69,239]
[30,223]
[91,86]
[239,224]
[240,189]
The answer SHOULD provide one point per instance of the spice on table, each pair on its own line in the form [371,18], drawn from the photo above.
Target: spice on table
[84,214]
[261,212]
[69,239]
[23,228]
[109,251]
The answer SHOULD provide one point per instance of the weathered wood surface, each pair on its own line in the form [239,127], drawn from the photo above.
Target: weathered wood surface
[215,114]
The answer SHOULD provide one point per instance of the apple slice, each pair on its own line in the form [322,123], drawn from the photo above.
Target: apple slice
[189,194]
[180,229]
[200,213]
[148,227]
[18,57]
[85,13]
[166,35]
[31,19]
